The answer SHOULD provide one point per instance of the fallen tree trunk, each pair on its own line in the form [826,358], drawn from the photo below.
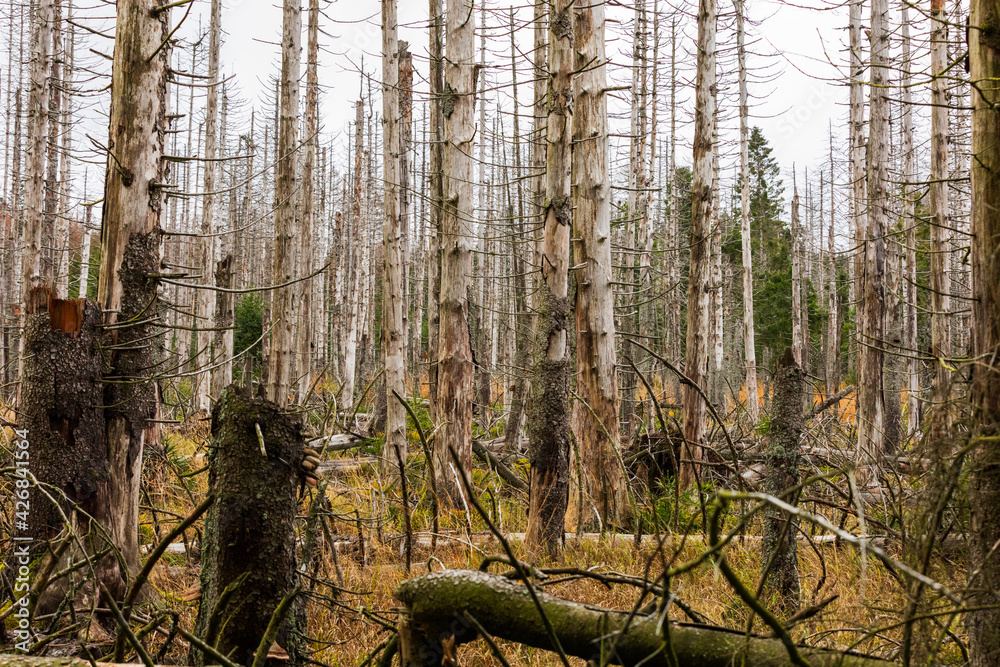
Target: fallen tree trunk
[439,606]
[492,460]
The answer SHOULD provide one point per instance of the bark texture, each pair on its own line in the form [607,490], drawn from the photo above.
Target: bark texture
[548,421]
[699,288]
[595,409]
[393,304]
[250,530]
[984,483]
[779,546]
[455,371]
[283,310]
[437,604]
[749,345]
[131,251]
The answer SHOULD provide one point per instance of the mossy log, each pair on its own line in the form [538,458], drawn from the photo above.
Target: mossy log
[435,621]
[250,530]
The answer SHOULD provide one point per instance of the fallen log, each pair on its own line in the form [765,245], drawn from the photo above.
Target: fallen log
[492,460]
[443,610]
[337,443]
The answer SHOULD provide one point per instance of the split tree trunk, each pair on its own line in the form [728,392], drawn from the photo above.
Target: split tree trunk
[595,409]
[699,288]
[436,85]
[548,421]
[984,484]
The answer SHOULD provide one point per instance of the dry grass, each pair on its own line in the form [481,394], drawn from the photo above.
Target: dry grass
[870,597]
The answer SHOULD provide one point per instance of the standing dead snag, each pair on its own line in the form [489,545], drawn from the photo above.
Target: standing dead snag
[250,530]
[443,609]
[778,549]
[984,485]
[455,373]
[696,356]
[595,412]
[61,409]
[131,253]
[548,421]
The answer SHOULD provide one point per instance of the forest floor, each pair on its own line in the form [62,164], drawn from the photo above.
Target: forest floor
[355,580]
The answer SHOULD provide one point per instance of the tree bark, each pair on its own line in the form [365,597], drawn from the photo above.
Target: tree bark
[438,607]
[749,344]
[779,546]
[131,251]
[454,391]
[595,410]
[548,421]
[939,248]
[984,483]
[871,311]
[393,303]
[208,244]
[254,468]
[286,222]
[699,288]
[797,337]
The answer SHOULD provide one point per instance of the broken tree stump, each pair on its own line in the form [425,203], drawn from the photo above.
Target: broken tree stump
[254,473]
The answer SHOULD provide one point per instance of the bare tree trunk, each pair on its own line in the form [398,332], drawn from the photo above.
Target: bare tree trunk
[859,206]
[207,244]
[910,340]
[984,485]
[436,29]
[938,190]
[871,311]
[833,324]
[32,275]
[749,345]
[393,302]
[548,421]
[797,342]
[595,409]
[130,250]
[455,353]
[779,551]
[353,269]
[286,214]
[307,231]
[699,288]
[411,335]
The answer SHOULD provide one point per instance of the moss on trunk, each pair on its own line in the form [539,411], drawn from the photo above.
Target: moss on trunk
[251,528]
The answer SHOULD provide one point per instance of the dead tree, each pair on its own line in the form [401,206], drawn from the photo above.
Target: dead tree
[451,607]
[455,372]
[595,412]
[699,288]
[247,560]
[393,288]
[130,252]
[984,485]
[548,421]
[749,345]
[779,552]
[871,310]
[283,309]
